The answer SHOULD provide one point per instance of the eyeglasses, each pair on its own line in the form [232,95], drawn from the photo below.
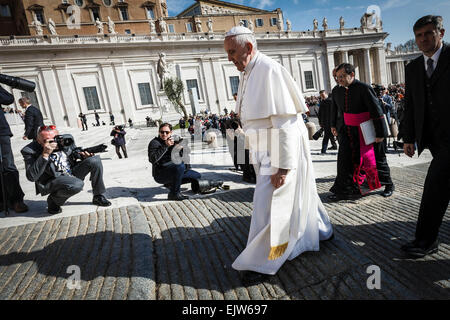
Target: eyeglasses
[164,132]
[50,127]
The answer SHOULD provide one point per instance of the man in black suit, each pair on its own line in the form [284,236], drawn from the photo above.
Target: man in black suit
[14,193]
[425,122]
[33,119]
[56,173]
[324,116]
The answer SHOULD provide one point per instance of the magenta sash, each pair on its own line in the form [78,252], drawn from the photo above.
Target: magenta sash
[367,161]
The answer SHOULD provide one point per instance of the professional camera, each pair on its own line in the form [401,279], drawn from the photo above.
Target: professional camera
[62,141]
[17,83]
[176,139]
[76,153]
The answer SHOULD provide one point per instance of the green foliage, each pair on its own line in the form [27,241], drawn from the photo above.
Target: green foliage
[174,88]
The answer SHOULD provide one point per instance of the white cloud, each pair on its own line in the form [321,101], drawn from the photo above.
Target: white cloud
[262,4]
[395,4]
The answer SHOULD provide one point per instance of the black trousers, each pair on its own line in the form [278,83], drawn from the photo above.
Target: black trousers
[124,149]
[435,197]
[63,187]
[12,186]
[384,172]
[84,125]
[327,136]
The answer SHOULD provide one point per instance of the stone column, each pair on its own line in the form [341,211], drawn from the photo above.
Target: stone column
[367,66]
[57,112]
[112,98]
[344,57]
[208,78]
[68,95]
[220,83]
[124,90]
[331,65]
[382,72]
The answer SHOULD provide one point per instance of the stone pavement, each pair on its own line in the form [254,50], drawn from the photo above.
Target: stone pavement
[156,249]
[184,250]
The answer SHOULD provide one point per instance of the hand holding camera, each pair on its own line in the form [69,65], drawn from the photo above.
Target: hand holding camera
[49,147]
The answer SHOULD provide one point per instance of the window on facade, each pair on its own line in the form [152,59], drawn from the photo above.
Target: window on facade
[150,13]
[145,93]
[171,28]
[245,23]
[91,96]
[189,27]
[273,21]
[234,83]
[5,11]
[124,13]
[96,13]
[107,2]
[192,83]
[40,15]
[79,3]
[259,22]
[32,96]
[309,81]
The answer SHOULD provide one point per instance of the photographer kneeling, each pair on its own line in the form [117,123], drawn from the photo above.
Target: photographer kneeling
[58,168]
[164,170]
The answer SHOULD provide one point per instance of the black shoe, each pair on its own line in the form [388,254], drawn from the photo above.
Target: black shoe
[250,278]
[101,201]
[332,148]
[388,191]
[177,197]
[52,207]
[418,249]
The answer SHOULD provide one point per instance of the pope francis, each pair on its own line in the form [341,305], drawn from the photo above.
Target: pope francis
[288,217]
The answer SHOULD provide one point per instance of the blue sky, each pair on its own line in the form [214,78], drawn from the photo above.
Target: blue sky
[398,15]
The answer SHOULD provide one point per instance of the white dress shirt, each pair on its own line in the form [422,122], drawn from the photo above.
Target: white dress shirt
[435,58]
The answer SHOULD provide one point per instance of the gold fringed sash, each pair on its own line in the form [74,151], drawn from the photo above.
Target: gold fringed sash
[276,252]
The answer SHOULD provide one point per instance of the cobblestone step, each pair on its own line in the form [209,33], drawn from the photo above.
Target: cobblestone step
[184,250]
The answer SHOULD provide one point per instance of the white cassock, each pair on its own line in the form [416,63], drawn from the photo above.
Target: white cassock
[291,219]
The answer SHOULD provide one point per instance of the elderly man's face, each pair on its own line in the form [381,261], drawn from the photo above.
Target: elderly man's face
[45,136]
[345,79]
[240,56]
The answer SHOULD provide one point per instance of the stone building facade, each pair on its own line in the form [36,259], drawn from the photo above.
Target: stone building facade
[117,73]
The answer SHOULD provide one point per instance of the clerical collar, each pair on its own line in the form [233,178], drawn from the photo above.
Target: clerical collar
[248,69]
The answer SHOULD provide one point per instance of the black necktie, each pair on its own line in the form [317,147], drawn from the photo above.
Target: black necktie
[430,68]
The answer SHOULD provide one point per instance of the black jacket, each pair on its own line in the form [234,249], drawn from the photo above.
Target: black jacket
[362,98]
[158,154]
[417,110]
[33,120]
[324,113]
[5,98]
[39,170]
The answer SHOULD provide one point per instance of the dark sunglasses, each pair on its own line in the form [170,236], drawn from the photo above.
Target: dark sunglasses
[164,132]
[50,127]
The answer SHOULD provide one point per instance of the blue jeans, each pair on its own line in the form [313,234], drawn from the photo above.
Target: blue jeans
[175,175]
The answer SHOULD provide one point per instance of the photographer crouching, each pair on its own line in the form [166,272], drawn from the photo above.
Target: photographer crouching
[164,170]
[58,168]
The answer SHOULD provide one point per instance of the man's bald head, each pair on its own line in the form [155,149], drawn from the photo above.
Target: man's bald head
[46,134]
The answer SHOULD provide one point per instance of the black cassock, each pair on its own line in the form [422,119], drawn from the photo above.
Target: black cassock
[358,98]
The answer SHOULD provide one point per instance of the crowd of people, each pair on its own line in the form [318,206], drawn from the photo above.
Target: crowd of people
[288,215]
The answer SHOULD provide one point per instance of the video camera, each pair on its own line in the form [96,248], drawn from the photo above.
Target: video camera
[63,141]
[17,83]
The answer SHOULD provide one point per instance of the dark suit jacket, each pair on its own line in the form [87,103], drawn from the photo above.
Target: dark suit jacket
[5,98]
[33,120]
[413,125]
[324,114]
[39,170]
